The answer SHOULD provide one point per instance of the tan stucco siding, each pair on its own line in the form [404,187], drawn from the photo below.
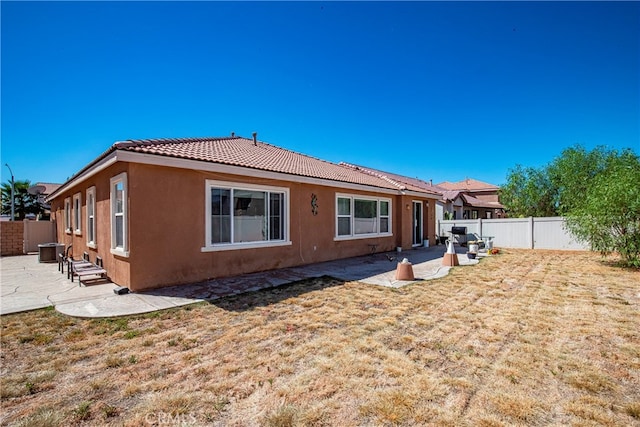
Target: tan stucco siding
[166,227]
[117,267]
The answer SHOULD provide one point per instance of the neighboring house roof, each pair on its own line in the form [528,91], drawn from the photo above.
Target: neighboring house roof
[450,195]
[469,185]
[466,188]
[44,188]
[246,153]
[398,179]
[477,203]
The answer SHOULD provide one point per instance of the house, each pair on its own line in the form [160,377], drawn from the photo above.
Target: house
[424,186]
[162,212]
[471,199]
[42,190]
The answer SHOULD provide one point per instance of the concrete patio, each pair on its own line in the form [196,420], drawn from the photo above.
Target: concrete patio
[29,285]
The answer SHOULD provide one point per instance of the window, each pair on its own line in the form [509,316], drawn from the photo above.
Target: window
[67,215]
[91,217]
[77,213]
[362,216]
[474,214]
[344,216]
[241,216]
[384,216]
[119,241]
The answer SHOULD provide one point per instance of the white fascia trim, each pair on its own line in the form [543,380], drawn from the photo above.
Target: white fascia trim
[151,159]
[423,195]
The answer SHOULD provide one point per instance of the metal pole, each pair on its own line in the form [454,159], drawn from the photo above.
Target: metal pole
[13,201]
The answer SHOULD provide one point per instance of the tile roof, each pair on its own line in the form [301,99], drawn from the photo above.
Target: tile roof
[239,151]
[468,185]
[44,187]
[450,195]
[408,183]
[477,203]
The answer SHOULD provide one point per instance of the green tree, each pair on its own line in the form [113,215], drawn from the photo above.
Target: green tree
[608,216]
[597,191]
[25,203]
[528,192]
[572,174]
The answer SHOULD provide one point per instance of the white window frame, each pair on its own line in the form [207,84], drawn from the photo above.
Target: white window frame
[67,215]
[387,216]
[353,235]
[211,247]
[91,218]
[77,214]
[124,249]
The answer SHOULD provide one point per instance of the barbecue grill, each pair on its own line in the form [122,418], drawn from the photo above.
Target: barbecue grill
[460,231]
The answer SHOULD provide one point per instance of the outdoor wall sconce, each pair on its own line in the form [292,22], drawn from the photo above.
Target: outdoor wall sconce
[314,204]
[408,207]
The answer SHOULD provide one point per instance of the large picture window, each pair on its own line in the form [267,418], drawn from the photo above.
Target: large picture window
[119,240]
[359,216]
[241,216]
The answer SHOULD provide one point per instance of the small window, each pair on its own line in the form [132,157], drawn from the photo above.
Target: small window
[384,217]
[344,216]
[67,215]
[119,195]
[91,217]
[474,214]
[77,213]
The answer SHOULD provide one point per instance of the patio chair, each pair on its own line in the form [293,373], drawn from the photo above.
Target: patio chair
[74,264]
[63,257]
[90,270]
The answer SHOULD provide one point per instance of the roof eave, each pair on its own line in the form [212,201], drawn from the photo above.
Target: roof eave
[114,155]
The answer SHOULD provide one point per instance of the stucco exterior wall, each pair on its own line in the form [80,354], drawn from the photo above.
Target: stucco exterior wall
[117,267]
[166,227]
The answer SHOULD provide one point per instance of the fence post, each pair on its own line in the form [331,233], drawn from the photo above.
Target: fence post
[480,227]
[531,233]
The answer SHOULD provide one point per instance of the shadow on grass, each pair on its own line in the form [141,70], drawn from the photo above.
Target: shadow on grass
[264,297]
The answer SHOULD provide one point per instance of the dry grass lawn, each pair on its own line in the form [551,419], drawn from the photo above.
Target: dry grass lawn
[523,338]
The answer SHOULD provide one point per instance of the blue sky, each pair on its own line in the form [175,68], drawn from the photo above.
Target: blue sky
[434,90]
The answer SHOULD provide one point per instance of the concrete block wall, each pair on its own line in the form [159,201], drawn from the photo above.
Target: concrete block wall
[11,238]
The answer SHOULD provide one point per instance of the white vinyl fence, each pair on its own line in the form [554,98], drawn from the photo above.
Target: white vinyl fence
[528,233]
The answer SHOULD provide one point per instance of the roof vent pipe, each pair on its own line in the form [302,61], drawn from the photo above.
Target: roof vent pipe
[233,134]
[255,139]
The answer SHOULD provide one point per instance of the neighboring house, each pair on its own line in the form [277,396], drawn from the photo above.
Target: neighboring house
[427,187]
[171,211]
[471,199]
[42,190]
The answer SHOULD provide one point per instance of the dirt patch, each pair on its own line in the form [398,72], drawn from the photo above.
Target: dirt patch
[525,337]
